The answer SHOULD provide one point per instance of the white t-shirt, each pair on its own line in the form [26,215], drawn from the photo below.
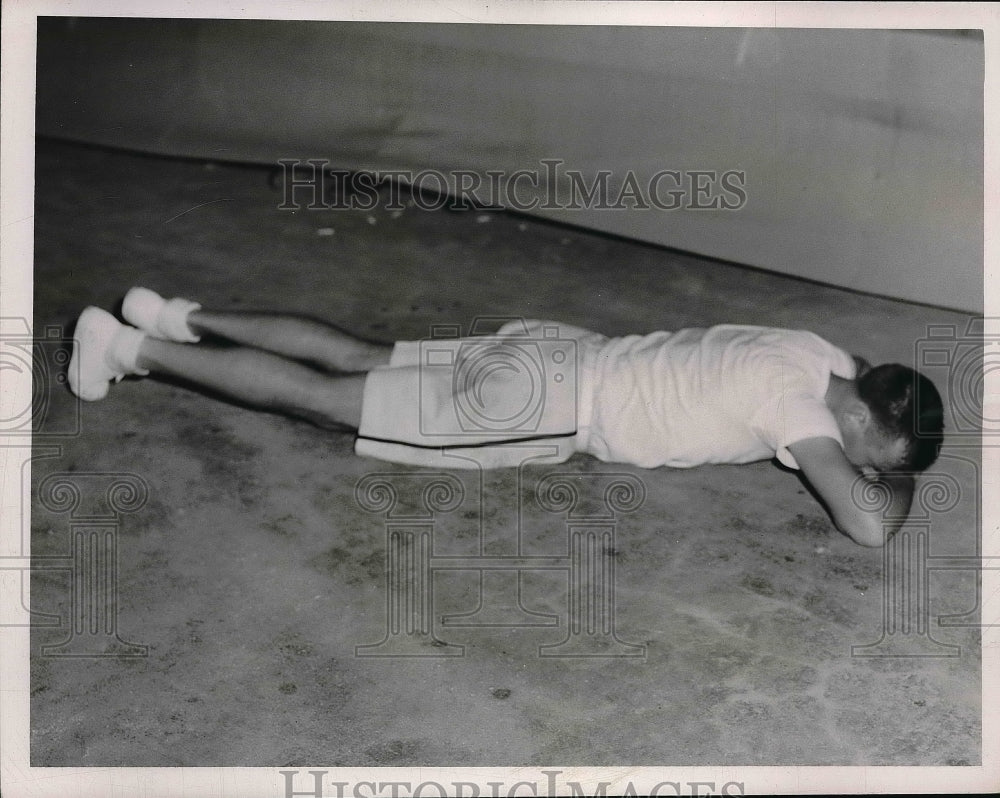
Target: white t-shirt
[726,394]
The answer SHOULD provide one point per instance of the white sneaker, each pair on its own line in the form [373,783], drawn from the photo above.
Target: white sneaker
[159,317]
[104,349]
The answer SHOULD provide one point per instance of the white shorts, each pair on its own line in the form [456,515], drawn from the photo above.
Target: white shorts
[523,394]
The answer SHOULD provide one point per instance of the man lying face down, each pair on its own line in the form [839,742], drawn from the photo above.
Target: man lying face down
[724,394]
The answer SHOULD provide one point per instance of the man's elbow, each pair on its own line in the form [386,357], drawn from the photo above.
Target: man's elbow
[866,531]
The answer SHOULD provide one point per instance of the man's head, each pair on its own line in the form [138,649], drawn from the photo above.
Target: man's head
[894,421]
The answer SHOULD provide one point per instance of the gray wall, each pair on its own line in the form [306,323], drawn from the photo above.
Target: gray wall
[862,150]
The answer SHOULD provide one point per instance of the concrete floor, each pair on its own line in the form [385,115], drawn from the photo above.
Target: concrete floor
[251,572]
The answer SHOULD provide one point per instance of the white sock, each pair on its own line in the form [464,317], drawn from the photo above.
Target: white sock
[173,320]
[159,317]
[123,353]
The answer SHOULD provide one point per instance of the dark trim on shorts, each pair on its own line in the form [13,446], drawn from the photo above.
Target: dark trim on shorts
[478,445]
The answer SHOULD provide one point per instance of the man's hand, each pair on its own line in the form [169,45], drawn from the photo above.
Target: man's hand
[900,487]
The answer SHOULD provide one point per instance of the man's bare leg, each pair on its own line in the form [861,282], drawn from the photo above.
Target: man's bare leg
[260,379]
[294,337]
[183,321]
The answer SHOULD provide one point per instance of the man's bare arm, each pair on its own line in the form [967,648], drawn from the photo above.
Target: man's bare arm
[834,477]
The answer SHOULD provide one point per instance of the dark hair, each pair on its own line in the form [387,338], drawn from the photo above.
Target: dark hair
[905,404]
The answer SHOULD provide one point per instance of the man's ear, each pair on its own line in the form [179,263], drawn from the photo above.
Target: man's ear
[858,413]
